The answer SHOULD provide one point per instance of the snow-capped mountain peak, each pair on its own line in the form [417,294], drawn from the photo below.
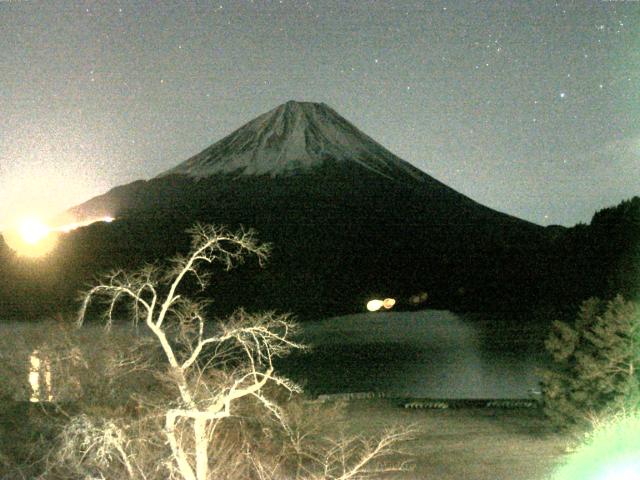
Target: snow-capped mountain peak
[292,138]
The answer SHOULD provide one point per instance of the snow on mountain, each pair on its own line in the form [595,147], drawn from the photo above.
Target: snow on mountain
[295,137]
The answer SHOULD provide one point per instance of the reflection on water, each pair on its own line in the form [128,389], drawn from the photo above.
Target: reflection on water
[417,354]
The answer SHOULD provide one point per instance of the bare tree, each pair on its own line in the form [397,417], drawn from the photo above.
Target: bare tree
[260,338]
[213,367]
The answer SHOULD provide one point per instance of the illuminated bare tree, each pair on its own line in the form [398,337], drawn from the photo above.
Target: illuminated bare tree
[153,293]
[213,367]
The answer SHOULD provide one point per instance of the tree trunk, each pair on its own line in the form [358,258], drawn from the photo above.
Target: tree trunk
[202,458]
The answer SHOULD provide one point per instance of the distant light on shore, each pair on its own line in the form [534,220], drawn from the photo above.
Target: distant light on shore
[376,304]
[388,303]
[418,298]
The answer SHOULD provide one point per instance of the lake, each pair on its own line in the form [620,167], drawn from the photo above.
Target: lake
[430,353]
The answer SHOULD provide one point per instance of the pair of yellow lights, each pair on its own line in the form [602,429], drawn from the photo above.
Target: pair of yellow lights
[375,304]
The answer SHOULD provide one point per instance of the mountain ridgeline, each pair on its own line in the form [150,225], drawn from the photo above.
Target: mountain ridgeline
[348,221]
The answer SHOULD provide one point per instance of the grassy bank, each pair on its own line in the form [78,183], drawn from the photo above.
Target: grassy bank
[475,443]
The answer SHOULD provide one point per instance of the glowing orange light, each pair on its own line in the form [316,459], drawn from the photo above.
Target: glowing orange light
[30,237]
[388,303]
[32,230]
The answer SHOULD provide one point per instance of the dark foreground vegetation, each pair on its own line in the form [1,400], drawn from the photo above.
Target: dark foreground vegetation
[182,399]
[174,396]
[483,444]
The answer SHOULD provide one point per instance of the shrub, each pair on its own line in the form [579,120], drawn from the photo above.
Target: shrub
[89,376]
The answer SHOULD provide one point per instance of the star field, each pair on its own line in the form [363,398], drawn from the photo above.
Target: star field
[530,108]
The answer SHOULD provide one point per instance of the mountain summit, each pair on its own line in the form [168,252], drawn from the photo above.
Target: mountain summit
[292,138]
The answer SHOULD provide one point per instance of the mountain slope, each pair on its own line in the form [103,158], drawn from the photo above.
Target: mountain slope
[295,139]
[347,218]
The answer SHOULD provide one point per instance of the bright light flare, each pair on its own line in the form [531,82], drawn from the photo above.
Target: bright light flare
[30,237]
[32,230]
[623,471]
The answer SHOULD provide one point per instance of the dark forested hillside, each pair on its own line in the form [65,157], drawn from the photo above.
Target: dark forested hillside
[333,247]
[324,264]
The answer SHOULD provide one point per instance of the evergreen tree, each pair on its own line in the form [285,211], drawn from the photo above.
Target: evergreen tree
[596,362]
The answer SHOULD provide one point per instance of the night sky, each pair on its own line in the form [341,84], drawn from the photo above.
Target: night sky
[531,108]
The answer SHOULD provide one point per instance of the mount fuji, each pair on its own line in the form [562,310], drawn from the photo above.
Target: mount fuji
[293,138]
[293,143]
[347,218]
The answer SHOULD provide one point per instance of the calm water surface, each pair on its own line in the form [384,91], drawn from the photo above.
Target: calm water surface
[430,353]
